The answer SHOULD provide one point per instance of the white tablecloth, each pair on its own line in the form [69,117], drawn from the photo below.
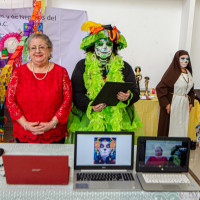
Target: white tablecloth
[66,192]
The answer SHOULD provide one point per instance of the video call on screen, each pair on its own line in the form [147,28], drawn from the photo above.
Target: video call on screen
[165,154]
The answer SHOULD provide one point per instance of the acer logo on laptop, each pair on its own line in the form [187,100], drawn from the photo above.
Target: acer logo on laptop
[36,170]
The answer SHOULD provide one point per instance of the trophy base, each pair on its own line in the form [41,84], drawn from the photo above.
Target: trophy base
[147,97]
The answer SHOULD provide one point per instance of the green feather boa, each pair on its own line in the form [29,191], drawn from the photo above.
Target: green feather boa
[110,118]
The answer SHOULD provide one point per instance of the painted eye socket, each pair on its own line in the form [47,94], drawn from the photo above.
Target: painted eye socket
[108,146]
[100,44]
[183,58]
[109,44]
[101,146]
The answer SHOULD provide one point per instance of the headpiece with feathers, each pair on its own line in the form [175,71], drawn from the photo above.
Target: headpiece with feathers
[99,31]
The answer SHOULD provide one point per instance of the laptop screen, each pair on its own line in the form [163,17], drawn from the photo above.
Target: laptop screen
[103,150]
[163,154]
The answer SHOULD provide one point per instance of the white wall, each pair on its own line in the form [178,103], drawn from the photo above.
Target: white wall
[154,29]
[187,24]
[151,27]
[195,51]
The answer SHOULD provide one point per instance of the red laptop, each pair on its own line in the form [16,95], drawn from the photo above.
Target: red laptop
[36,169]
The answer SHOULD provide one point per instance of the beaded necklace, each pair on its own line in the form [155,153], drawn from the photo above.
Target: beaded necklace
[44,75]
[187,81]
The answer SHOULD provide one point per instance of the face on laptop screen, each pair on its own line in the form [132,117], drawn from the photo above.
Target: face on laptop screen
[163,155]
[104,150]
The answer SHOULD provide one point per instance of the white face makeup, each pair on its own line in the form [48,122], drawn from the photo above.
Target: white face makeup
[103,48]
[184,60]
[104,149]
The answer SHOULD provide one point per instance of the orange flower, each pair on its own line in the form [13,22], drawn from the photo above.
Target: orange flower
[97,144]
[114,35]
[112,144]
[96,29]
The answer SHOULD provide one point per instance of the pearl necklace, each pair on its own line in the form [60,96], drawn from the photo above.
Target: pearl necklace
[44,75]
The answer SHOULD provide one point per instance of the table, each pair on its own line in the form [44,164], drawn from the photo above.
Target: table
[66,192]
[148,111]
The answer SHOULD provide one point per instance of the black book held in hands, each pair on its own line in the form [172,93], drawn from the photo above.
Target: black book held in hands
[108,93]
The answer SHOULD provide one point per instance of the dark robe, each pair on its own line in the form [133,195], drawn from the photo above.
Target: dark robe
[165,89]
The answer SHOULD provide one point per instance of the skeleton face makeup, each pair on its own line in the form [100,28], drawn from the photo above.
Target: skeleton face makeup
[105,149]
[103,48]
[184,60]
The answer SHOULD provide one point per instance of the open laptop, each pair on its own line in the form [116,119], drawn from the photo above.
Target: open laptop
[36,169]
[163,163]
[104,161]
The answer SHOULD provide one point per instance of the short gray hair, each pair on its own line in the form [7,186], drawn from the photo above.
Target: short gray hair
[40,36]
[159,148]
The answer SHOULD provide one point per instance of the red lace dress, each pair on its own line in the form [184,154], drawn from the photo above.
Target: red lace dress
[39,100]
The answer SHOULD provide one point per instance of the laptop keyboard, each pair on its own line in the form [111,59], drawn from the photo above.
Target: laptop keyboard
[166,178]
[105,177]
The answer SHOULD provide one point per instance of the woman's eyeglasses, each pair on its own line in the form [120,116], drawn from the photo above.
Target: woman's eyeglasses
[40,48]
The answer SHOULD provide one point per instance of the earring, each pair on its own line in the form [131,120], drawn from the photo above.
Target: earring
[50,57]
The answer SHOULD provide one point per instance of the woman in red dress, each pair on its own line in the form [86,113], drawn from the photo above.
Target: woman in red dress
[158,159]
[39,96]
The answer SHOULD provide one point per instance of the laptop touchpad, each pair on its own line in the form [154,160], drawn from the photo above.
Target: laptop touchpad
[81,186]
[171,187]
[98,185]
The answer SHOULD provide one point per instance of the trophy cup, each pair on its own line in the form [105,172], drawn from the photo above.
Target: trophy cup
[138,75]
[146,87]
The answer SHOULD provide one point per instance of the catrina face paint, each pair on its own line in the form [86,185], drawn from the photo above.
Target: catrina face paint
[103,48]
[184,60]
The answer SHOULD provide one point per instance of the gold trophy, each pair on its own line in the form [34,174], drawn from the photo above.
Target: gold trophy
[138,75]
[146,87]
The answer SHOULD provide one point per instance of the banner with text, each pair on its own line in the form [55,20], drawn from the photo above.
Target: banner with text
[63,26]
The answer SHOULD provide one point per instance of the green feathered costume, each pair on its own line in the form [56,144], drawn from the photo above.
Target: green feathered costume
[88,78]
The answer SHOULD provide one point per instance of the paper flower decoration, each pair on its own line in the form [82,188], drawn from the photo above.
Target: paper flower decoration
[10,41]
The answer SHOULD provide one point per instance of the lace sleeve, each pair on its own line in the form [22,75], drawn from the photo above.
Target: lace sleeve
[13,107]
[63,111]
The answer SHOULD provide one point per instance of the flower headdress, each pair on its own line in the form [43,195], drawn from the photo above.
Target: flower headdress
[111,140]
[99,31]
